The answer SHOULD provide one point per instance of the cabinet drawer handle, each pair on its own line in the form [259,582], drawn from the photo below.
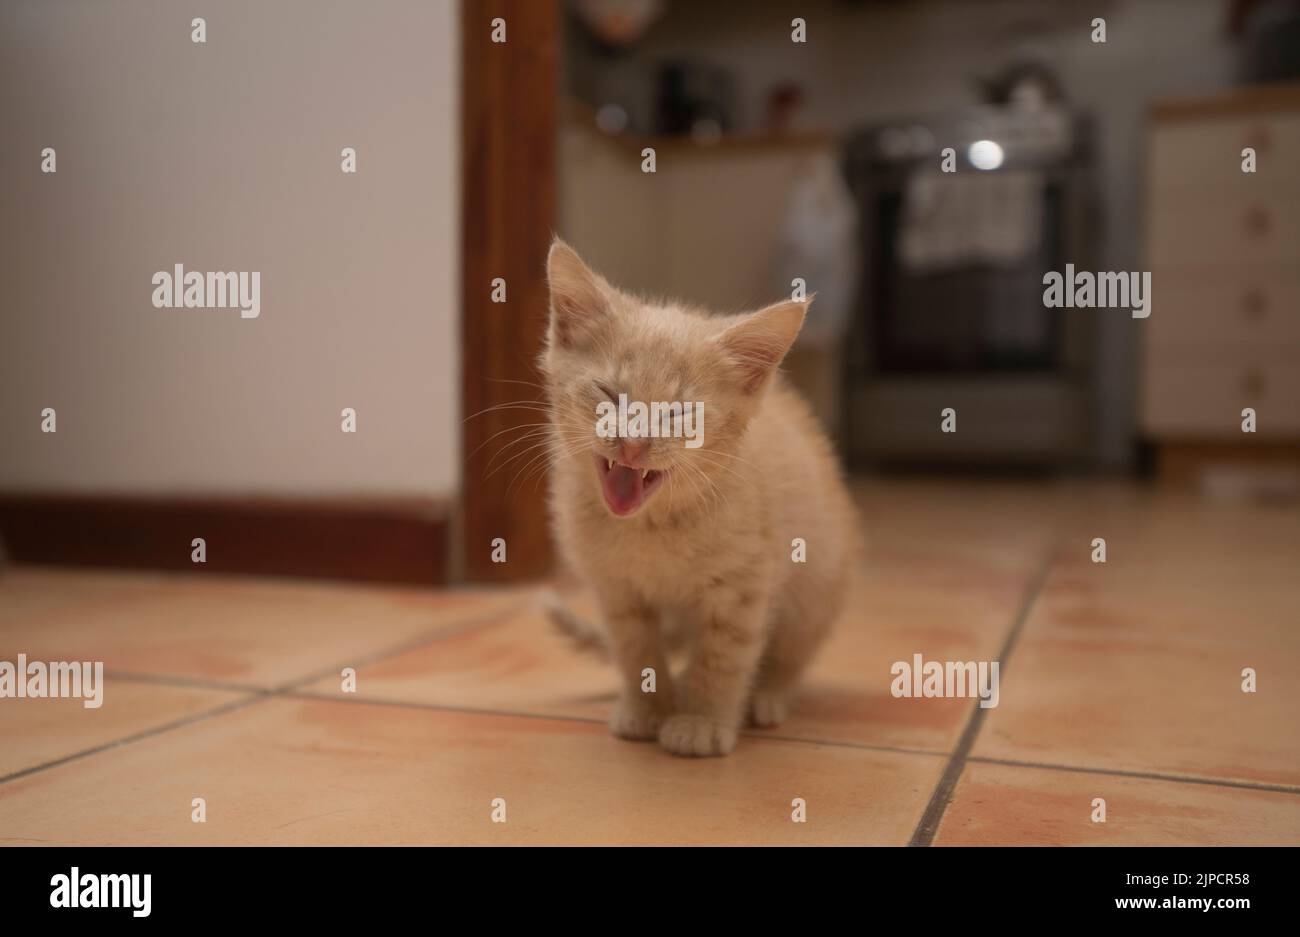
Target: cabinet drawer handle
[1254,304]
[1260,138]
[1254,383]
[1258,221]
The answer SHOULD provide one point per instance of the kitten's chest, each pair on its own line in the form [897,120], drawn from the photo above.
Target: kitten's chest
[668,559]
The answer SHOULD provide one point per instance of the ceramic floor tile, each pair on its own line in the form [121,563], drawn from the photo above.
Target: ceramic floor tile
[1246,609]
[1182,565]
[286,770]
[39,731]
[31,591]
[1011,805]
[900,606]
[1137,704]
[906,605]
[516,663]
[1137,664]
[1132,666]
[228,630]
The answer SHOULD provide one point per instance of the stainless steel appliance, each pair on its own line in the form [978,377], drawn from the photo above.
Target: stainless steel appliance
[951,312]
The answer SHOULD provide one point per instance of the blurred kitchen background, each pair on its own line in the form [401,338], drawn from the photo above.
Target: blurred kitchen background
[778,159]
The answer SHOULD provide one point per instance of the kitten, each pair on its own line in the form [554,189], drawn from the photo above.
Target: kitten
[696,542]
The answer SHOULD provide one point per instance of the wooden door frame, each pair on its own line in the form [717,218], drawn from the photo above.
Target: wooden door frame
[508,168]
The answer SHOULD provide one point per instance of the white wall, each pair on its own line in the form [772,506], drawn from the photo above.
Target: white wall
[225,156]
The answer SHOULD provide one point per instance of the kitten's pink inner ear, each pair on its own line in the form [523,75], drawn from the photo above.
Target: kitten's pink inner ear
[578,299]
[760,341]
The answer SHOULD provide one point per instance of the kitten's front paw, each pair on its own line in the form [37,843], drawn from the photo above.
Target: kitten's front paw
[697,736]
[636,720]
[767,709]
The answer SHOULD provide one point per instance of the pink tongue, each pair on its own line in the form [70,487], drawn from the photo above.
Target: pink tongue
[623,488]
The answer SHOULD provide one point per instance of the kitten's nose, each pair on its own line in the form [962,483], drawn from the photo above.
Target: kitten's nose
[630,451]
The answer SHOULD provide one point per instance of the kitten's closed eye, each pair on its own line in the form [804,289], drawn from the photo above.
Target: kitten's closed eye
[609,394]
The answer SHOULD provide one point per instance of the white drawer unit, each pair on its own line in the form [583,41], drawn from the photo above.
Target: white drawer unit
[1223,247]
[1194,227]
[1206,150]
[1203,400]
[1231,309]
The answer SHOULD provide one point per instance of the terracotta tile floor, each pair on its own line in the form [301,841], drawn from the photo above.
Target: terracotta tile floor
[1120,682]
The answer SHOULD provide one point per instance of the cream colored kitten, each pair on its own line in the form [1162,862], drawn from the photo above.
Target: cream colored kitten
[698,542]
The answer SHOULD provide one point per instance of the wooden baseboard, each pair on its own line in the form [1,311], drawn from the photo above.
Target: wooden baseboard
[370,541]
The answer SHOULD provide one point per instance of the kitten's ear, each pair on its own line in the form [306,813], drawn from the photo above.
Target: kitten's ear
[758,342]
[579,297]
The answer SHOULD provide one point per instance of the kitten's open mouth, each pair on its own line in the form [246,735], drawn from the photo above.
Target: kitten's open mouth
[626,488]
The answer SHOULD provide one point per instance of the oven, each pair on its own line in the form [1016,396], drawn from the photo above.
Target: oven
[950,309]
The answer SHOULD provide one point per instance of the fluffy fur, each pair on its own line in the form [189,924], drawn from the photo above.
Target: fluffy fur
[707,558]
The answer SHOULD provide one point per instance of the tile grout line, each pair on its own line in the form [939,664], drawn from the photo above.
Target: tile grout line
[923,835]
[757,735]
[254,694]
[176,680]
[928,825]
[309,695]
[291,693]
[443,631]
[232,706]
[1140,775]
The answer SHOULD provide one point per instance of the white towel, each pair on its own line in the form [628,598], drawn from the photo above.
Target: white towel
[970,218]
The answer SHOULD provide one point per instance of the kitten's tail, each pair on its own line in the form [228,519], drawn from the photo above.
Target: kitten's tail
[581,633]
